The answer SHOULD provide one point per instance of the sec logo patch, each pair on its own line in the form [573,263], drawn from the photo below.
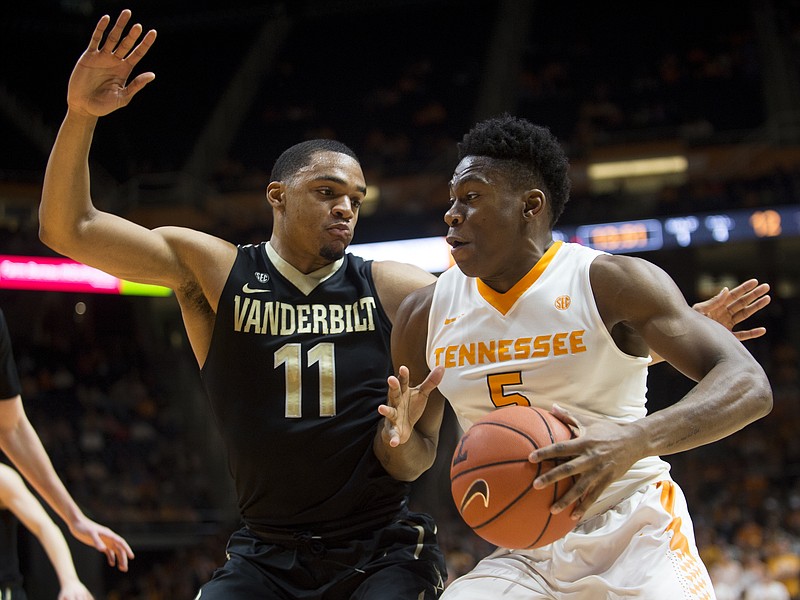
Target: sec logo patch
[562,302]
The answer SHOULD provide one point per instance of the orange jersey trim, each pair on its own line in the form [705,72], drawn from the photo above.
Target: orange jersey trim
[504,301]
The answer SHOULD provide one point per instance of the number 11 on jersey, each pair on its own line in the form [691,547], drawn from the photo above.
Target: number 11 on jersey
[322,355]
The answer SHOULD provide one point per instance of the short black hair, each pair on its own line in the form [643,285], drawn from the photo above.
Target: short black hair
[298,156]
[533,154]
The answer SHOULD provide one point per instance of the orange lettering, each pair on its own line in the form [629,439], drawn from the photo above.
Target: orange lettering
[450,357]
[559,345]
[576,341]
[541,346]
[522,348]
[504,350]
[486,354]
[466,354]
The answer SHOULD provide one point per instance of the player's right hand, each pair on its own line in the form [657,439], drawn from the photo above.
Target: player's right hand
[405,405]
[99,83]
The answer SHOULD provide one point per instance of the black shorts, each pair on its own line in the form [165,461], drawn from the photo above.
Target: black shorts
[399,561]
[12,592]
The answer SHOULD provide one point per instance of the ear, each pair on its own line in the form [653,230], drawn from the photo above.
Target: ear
[535,204]
[276,194]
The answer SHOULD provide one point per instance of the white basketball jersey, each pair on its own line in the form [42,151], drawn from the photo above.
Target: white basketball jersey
[542,342]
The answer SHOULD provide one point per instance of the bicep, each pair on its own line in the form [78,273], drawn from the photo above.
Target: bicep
[640,295]
[127,250]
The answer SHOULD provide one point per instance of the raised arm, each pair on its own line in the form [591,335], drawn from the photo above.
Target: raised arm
[68,221]
[17,498]
[192,263]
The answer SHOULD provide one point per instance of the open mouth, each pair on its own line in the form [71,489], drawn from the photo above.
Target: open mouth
[455,242]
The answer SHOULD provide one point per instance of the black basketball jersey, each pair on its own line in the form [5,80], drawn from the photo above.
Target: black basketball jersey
[9,378]
[295,380]
[9,560]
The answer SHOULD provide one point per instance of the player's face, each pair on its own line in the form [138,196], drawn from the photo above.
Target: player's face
[486,230]
[322,202]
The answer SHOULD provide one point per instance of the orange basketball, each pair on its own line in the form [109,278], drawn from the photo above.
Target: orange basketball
[492,480]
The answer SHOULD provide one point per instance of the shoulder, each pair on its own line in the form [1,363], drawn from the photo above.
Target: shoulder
[619,273]
[395,281]
[630,288]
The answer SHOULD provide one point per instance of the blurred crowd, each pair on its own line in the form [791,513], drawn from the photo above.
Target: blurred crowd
[112,389]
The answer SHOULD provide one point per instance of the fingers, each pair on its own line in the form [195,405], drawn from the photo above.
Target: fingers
[743,288]
[717,301]
[750,334]
[433,379]
[119,45]
[122,560]
[116,32]
[143,46]
[127,42]
[135,86]
[97,35]
[750,303]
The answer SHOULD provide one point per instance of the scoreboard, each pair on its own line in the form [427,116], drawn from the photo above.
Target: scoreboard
[645,235]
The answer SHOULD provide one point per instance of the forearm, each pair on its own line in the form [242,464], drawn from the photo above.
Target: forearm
[723,402]
[407,461]
[66,200]
[57,550]
[23,446]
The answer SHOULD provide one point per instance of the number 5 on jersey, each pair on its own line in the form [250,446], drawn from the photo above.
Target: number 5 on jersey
[497,383]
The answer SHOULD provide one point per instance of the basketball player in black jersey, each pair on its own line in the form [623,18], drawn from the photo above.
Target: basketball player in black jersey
[21,444]
[292,339]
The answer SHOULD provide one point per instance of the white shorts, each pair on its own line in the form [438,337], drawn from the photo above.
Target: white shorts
[643,547]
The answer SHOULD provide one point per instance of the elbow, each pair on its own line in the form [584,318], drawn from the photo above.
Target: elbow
[760,394]
[47,237]
[766,399]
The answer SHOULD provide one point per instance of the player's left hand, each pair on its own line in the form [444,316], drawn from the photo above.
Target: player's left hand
[100,537]
[731,307]
[602,452]
[405,405]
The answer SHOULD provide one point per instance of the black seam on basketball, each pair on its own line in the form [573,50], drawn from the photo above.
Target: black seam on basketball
[547,425]
[523,433]
[508,506]
[494,464]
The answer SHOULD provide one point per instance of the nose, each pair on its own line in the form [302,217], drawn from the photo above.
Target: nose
[452,217]
[343,208]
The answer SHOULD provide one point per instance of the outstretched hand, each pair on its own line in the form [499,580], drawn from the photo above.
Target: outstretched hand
[99,83]
[731,307]
[100,537]
[405,405]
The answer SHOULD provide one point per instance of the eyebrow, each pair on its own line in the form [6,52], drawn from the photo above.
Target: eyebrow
[340,181]
[468,178]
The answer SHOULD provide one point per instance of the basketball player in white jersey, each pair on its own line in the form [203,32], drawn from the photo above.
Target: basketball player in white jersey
[525,320]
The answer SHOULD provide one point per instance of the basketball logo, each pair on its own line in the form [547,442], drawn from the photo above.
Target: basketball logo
[562,302]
